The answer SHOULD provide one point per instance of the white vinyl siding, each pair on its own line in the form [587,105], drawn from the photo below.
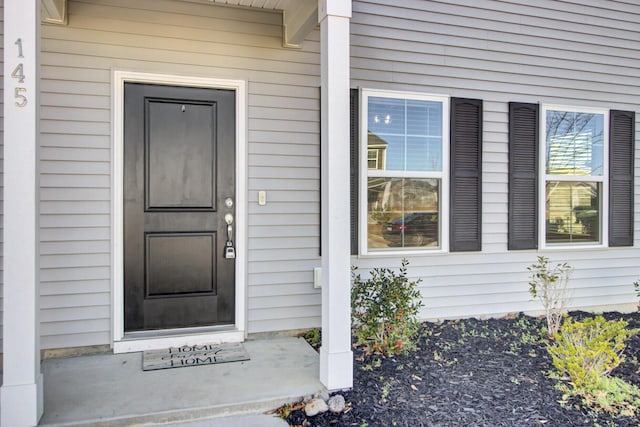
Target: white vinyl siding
[180,38]
[583,54]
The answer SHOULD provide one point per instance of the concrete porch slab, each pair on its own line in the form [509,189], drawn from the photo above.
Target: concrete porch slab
[113,390]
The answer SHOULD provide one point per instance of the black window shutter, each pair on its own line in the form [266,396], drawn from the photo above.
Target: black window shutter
[621,153]
[465,225]
[523,175]
[354,169]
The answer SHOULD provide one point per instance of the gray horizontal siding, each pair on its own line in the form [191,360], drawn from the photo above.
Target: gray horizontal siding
[506,51]
[166,36]
[459,285]
[570,52]
[561,52]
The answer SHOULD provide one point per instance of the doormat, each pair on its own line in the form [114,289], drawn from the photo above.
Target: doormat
[193,355]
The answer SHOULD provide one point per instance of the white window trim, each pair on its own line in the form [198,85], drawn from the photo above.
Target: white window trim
[186,336]
[443,208]
[543,177]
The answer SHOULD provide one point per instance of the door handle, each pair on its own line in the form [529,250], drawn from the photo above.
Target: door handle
[229,250]
[228,218]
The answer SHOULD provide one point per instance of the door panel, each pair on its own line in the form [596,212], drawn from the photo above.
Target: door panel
[180,264]
[180,175]
[179,160]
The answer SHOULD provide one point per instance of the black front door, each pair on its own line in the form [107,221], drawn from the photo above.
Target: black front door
[179,169]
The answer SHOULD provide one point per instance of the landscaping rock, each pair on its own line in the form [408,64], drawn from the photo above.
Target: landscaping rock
[315,407]
[324,395]
[336,403]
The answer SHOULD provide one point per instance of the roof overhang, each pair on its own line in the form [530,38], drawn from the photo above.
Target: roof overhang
[298,20]
[299,17]
[54,11]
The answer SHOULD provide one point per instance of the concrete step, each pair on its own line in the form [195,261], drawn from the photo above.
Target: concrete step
[113,390]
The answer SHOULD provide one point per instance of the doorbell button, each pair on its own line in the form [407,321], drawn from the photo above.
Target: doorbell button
[262,198]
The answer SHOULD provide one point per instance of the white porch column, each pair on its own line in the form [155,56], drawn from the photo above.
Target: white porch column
[336,358]
[22,392]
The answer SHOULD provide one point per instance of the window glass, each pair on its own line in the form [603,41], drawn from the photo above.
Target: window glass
[573,212]
[403,212]
[575,179]
[574,143]
[372,158]
[409,132]
[404,138]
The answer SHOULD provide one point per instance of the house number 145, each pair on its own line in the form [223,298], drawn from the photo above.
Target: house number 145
[18,73]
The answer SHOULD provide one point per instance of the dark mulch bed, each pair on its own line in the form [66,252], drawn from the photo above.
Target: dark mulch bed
[470,373]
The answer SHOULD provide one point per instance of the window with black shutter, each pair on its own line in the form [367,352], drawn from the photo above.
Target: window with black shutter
[409,176]
[523,176]
[621,169]
[465,226]
[353,182]
[583,160]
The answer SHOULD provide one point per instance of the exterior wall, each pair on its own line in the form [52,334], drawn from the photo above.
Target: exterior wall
[556,52]
[561,52]
[181,38]
[1,166]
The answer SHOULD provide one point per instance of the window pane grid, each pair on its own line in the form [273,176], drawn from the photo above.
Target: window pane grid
[574,176]
[404,138]
[408,131]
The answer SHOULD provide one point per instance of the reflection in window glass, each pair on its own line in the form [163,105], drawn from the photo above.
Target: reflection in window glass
[403,213]
[574,143]
[403,136]
[386,116]
[572,212]
[408,133]
[372,158]
[575,181]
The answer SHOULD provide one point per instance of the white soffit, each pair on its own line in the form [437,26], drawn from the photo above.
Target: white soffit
[299,17]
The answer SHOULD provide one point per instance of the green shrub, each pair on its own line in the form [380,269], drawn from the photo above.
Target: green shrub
[313,337]
[384,310]
[614,395]
[636,286]
[549,285]
[586,352]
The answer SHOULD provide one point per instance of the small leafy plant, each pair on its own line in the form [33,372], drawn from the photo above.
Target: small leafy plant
[313,337]
[636,286]
[586,352]
[384,310]
[549,285]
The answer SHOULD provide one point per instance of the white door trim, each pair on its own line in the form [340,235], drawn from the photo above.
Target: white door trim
[122,344]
